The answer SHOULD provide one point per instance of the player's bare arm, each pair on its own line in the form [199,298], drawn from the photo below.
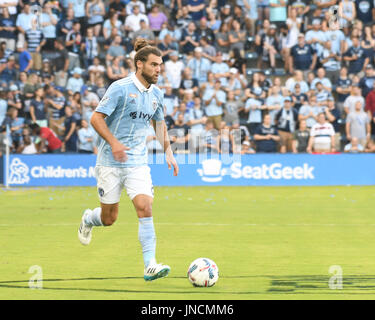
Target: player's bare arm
[162,136]
[100,126]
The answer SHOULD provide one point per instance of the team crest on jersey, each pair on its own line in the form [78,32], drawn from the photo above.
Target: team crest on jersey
[104,100]
[154,104]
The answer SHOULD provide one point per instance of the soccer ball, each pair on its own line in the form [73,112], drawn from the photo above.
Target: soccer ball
[203,272]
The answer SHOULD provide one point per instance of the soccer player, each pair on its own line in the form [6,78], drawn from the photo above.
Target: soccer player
[122,120]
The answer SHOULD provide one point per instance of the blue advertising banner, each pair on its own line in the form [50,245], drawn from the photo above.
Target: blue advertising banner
[248,170]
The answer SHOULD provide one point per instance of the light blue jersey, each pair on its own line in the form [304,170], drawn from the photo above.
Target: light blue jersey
[130,107]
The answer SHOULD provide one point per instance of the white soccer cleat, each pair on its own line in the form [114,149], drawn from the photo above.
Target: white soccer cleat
[155,271]
[84,232]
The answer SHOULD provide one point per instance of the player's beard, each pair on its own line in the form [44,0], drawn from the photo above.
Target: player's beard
[148,78]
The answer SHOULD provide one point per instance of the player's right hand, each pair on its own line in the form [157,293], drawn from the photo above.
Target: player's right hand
[119,152]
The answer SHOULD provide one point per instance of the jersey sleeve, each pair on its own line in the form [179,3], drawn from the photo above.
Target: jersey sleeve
[159,113]
[111,100]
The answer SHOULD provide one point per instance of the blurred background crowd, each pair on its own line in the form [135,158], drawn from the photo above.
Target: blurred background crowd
[240,76]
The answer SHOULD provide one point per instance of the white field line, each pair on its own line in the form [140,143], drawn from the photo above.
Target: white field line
[196,224]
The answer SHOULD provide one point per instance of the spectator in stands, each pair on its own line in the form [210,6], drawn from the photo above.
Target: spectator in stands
[214,100]
[232,108]
[322,136]
[315,37]
[366,83]
[266,136]
[115,71]
[24,22]
[274,103]
[61,64]
[365,11]
[347,12]
[253,108]
[286,120]
[343,87]
[297,79]
[370,102]
[3,104]
[119,7]
[112,25]
[78,7]
[132,21]
[278,11]
[235,83]
[331,62]
[145,32]
[189,39]
[208,50]
[115,50]
[38,109]
[333,115]
[70,133]
[16,124]
[237,38]
[179,135]
[209,139]
[73,43]
[24,58]
[222,38]
[55,102]
[75,83]
[301,138]
[354,146]
[27,146]
[263,9]
[354,97]
[358,125]
[356,57]
[156,18]
[35,42]
[48,141]
[66,24]
[96,70]
[174,68]
[95,12]
[302,56]
[188,82]
[269,47]
[251,10]
[199,66]
[8,70]
[298,97]
[86,139]
[220,70]
[8,30]
[309,111]
[48,21]
[90,47]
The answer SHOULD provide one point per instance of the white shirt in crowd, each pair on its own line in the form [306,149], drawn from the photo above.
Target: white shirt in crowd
[322,134]
[173,71]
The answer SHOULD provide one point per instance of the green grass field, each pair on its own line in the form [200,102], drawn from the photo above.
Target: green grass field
[269,243]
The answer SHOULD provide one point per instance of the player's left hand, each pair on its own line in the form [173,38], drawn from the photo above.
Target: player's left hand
[171,161]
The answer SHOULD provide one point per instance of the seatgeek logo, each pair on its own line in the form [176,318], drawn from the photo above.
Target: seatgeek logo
[213,171]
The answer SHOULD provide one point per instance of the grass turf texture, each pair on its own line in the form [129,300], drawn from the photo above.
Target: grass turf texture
[269,243]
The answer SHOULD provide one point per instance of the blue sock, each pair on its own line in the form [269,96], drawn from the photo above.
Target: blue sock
[147,238]
[94,218]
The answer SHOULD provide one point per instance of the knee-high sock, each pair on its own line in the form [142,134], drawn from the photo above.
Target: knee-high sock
[94,218]
[147,238]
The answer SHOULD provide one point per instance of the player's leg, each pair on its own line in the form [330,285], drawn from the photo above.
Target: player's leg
[140,190]
[109,186]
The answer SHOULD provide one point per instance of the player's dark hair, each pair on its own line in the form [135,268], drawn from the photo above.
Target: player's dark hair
[143,50]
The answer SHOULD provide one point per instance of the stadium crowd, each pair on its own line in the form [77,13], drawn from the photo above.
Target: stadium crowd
[290,76]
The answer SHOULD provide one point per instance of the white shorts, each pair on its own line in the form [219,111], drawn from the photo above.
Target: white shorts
[111,181]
